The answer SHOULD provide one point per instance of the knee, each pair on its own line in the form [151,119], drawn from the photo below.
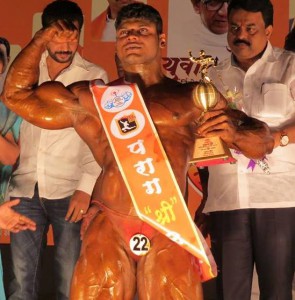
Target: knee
[101,278]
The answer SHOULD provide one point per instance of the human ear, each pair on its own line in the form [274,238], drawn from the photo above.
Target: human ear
[268,31]
[197,7]
[162,41]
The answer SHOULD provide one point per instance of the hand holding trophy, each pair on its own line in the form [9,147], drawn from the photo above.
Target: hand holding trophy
[211,150]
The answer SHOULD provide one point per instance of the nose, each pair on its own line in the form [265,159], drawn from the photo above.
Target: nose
[133,34]
[241,33]
[64,46]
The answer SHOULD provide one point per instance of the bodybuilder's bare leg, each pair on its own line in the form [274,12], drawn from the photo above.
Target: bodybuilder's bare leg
[168,272]
[104,271]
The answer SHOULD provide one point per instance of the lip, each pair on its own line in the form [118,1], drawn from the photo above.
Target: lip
[132,46]
[63,55]
[221,22]
[241,46]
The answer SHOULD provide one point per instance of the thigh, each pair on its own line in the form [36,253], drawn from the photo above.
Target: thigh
[104,269]
[67,244]
[30,242]
[66,234]
[32,208]
[274,233]
[232,249]
[56,209]
[26,250]
[168,272]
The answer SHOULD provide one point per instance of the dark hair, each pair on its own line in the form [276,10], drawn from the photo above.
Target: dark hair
[195,2]
[140,11]
[290,40]
[5,42]
[62,10]
[263,6]
[2,58]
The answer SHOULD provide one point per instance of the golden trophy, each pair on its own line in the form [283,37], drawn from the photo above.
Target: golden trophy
[208,151]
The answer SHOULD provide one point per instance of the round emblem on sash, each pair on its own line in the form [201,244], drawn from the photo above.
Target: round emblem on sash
[127,124]
[139,244]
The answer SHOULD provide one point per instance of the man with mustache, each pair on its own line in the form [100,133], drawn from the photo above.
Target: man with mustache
[252,208]
[56,174]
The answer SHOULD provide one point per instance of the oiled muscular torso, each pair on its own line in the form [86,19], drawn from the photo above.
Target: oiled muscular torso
[174,114]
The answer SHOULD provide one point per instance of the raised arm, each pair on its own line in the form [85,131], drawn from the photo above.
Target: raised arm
[49,105]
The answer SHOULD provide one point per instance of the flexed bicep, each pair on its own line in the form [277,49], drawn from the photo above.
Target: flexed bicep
[48,106]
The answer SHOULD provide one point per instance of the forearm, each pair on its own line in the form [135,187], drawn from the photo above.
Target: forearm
[23,74]
[96,191]
[21,79]
[96,198]
[240,132]
[253,138]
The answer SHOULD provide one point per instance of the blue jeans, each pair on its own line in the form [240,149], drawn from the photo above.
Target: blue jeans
[27,248]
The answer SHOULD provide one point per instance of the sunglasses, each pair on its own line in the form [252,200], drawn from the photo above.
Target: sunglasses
[213,5]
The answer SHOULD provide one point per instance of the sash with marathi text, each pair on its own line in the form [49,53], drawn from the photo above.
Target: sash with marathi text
[146,170]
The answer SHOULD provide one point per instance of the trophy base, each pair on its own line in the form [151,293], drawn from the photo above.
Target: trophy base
[211,151]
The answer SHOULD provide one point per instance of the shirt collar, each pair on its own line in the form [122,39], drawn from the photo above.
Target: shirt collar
[108,15]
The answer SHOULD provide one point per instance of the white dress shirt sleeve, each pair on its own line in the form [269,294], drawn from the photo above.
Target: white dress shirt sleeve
[90,171]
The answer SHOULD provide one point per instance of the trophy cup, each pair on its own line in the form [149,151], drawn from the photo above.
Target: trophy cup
[208,151]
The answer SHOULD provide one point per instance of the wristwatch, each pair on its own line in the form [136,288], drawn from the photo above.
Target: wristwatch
[284,139]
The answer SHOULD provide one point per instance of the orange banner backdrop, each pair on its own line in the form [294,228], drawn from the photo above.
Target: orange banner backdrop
[20,20]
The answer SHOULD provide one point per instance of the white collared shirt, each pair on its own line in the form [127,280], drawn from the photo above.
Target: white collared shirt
[57,159]
[109,31]
[186,32]
[267,93]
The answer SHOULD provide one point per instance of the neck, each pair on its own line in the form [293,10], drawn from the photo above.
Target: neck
[55,68]
[143,75]
[247,63]
[143,79]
